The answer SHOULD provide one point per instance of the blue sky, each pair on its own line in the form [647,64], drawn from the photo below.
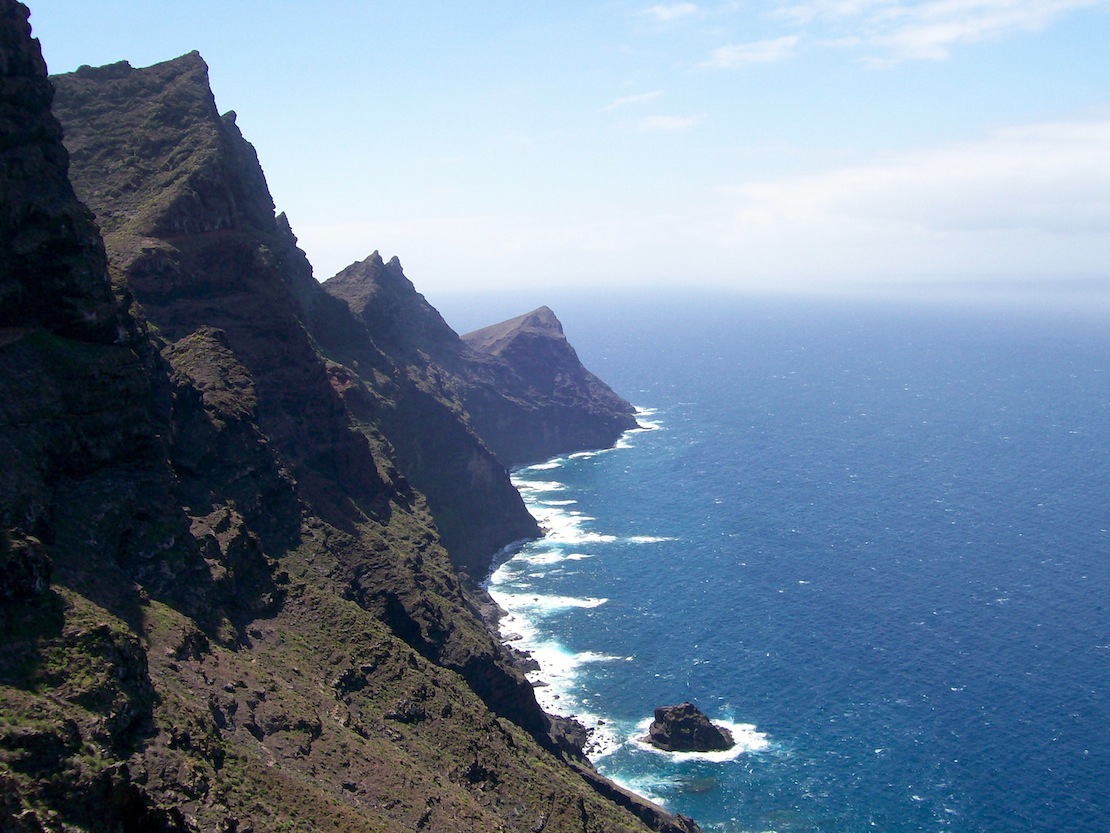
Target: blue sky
[920,147]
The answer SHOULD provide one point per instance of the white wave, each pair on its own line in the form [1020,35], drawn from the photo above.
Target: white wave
[539,605]
[550,464]
[643,417]
[650,539]
[562,527]
[592,656]
[552,556]
[586,455]
[538,485]
[557,502]
[579,537]
[555,692]
[602,737]
[744,735]
[558,673]
[646,786]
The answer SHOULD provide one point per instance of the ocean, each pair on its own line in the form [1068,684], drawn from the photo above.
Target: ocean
[873,540]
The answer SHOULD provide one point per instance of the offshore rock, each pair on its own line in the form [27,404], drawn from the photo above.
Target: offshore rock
[684,728]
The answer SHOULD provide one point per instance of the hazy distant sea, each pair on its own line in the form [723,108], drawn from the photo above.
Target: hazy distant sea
[874,541]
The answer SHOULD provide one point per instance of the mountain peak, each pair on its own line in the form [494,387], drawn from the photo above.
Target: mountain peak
[496,338]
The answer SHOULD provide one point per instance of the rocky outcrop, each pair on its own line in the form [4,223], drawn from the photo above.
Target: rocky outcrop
[523,387]
[225,605]
[25,568]
[417,406]
[684,728]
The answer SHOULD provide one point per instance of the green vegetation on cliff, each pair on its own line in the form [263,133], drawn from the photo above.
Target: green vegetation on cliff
[224,603]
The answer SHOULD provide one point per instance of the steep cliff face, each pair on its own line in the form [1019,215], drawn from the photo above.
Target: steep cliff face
[190,222]
[220,277]
[52,266]
[223,605]
[558,405]
[525,391]
[476,508]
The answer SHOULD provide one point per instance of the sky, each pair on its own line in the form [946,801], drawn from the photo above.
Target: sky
[916,148]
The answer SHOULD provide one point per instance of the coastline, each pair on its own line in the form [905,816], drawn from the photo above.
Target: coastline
[554,670]
[549,671]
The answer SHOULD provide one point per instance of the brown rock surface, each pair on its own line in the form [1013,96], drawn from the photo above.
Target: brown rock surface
[684,728]
[524,389]
[53,272]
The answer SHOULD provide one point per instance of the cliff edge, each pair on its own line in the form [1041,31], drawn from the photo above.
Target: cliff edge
[521,383]
[224,604]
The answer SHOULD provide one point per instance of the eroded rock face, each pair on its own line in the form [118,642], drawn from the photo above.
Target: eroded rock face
[24,568]
[189,220]
[558,406]
[526,393]
[684,728]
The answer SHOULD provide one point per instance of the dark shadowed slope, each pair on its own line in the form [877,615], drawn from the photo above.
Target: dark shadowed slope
[222,605]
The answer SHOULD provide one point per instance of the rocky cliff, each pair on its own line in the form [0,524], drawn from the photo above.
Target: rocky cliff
[557,405]
[189,221]
[523,387]
[225,605]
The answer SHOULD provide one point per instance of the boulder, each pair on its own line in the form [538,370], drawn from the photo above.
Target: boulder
[684,728]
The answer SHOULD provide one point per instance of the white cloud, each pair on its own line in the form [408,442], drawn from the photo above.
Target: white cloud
[930,29]
[757,52]
[625,101]
[671,11]
[1047,177]
[667,124]
[1030,201]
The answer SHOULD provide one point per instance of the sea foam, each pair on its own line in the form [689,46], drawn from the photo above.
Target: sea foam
[567,536]
[745,736]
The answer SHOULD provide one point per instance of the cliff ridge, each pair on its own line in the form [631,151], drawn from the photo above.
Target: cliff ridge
[227,606]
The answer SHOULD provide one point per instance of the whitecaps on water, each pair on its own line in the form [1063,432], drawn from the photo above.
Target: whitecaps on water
[562,526]
[586,455]
[537,485]
[559,667]
[540,605]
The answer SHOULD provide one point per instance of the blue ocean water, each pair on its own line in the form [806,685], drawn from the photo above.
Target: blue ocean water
[873,540]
